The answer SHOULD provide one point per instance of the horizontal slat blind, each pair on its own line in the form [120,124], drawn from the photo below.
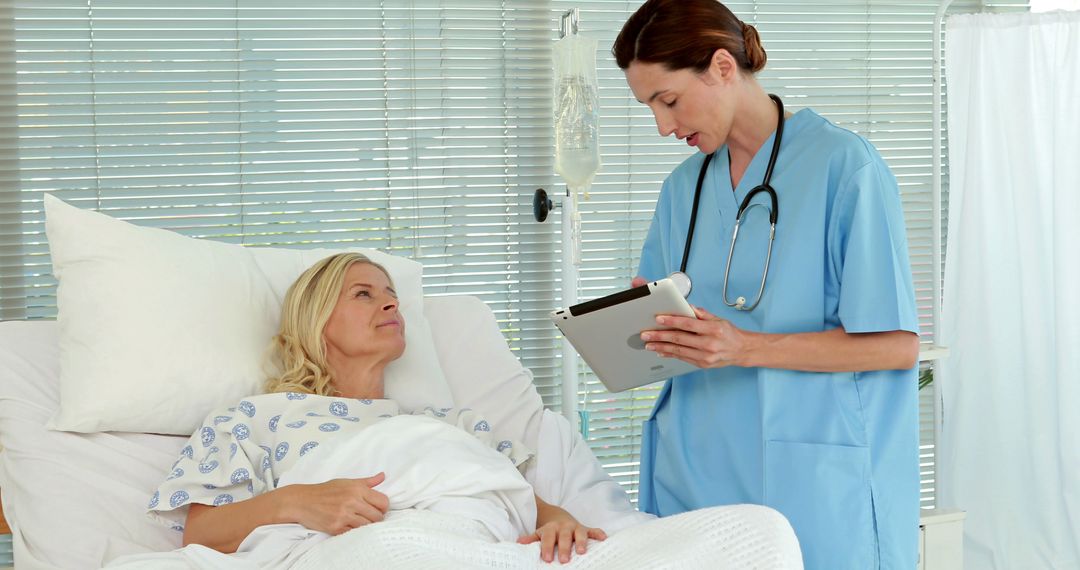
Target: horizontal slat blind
[12,293]
[6,550]
[863,64]
[420,128]
[927,459]
[417,127]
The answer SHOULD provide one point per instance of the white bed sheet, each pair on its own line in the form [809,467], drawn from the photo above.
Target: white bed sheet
[69,497]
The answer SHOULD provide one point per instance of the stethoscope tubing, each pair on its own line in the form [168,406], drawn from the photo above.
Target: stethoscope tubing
[774,212]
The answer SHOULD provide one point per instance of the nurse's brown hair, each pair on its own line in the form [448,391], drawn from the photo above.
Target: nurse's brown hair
[684,34]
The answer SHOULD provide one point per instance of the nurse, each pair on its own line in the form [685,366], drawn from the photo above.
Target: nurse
[807,401]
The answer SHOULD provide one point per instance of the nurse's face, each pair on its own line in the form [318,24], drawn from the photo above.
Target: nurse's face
[695,107]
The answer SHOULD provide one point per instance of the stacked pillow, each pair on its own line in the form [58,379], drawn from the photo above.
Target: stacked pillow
[157,329]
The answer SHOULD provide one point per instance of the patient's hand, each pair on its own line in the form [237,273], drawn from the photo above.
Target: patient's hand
[332,507]
[338,505]
[557,528]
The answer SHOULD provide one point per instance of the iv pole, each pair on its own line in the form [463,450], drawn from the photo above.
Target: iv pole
[571,258]
[570,245]
[542,206]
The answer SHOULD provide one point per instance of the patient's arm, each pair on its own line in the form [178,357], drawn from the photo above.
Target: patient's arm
[556,528]
[332,507]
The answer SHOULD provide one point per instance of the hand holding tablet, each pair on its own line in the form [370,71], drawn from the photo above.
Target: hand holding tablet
[607,334]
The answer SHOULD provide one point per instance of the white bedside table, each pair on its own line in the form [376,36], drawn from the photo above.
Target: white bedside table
[941,539]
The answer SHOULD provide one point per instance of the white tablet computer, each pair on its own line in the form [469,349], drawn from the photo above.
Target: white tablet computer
[607,334]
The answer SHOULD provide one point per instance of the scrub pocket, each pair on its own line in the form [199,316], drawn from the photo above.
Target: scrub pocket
[824,491]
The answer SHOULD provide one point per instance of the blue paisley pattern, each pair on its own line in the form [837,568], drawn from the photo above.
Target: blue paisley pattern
[242,451]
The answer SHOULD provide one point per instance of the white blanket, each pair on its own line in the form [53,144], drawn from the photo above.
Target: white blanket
[429,465]
[439,531]
[740,536]
[566,473]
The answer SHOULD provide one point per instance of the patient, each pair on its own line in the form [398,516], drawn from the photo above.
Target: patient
[294,455]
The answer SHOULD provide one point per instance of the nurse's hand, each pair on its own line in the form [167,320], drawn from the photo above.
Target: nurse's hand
[706,342]
[638,282]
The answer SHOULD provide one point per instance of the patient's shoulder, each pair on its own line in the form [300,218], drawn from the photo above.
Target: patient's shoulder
[249,408]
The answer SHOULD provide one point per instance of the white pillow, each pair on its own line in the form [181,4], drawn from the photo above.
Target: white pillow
[157,329]
[491,380]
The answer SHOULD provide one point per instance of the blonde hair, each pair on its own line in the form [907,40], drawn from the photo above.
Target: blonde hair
[299,350]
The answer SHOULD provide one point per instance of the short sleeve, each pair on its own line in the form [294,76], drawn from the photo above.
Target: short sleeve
[216,467]
[870,269]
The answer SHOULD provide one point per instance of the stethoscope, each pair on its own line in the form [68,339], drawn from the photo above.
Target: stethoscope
[680,278]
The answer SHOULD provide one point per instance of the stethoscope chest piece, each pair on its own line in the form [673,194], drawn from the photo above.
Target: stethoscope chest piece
[682,283]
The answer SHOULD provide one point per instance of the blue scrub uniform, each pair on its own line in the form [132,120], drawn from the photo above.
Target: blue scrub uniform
[836,453]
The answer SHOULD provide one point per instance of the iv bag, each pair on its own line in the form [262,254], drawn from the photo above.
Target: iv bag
[577,111]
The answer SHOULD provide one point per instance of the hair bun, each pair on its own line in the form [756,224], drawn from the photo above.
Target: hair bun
[755,53]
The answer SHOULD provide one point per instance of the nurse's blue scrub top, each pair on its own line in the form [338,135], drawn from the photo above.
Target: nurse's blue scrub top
[836,453]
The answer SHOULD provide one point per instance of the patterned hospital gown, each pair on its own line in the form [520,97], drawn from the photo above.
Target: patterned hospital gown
[242,451]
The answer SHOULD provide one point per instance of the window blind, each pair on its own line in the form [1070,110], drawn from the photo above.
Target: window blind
[6,548]
[7,557]
[419,127]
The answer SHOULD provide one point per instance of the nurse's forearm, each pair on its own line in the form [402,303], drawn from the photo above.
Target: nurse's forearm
[834,351]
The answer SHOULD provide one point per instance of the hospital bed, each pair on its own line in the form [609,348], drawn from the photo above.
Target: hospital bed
[78,500]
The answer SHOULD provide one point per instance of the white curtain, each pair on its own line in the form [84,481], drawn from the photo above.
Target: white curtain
[1009,452]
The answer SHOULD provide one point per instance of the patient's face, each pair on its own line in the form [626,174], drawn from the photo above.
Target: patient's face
[365,323]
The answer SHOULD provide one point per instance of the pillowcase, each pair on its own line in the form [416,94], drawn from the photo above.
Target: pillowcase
[157,329]
[491,380]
